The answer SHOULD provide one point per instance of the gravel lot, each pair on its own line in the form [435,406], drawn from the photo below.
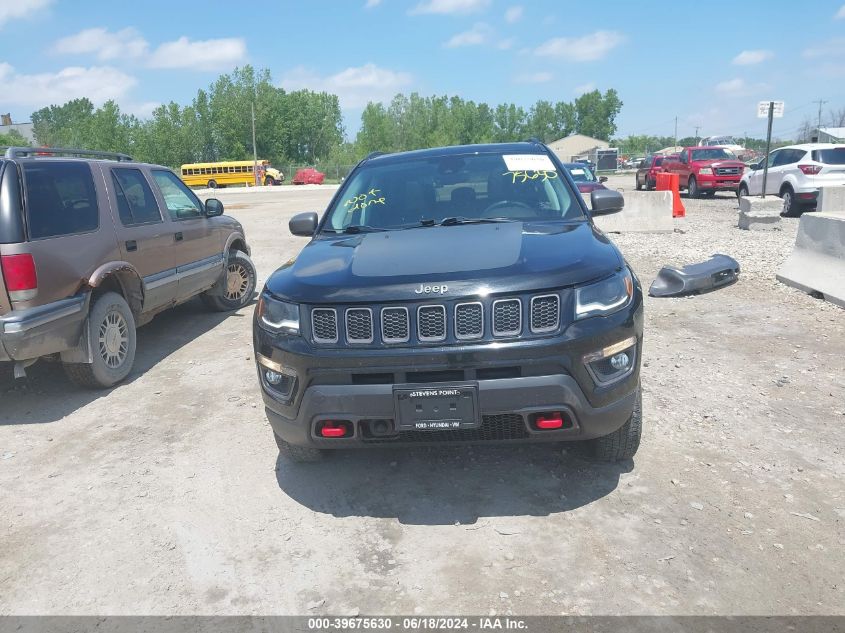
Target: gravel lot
[165,496]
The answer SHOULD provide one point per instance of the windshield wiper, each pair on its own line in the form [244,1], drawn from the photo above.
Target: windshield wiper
[462,220]
[361,228]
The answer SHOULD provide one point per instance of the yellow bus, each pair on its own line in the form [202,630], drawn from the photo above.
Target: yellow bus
[232,172]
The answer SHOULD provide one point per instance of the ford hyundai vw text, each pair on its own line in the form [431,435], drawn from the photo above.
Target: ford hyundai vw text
[461,305]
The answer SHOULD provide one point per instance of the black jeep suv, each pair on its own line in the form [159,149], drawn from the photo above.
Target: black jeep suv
[459,294]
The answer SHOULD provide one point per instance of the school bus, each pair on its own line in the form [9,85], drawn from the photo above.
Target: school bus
[233,172]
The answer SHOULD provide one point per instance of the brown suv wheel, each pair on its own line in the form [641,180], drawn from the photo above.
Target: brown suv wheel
[111,333]
[238,285]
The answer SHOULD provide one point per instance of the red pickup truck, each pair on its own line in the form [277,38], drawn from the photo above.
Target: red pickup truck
[705,170]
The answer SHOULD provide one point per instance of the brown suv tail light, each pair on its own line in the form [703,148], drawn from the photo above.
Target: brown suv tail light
[810,170]
[20,276]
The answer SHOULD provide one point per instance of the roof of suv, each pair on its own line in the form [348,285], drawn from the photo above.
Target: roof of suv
[811,146]
[523,147]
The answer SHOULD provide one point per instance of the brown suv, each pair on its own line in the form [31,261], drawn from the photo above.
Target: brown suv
[92,247]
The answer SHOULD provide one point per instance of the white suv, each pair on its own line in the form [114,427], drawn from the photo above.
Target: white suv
[795,174]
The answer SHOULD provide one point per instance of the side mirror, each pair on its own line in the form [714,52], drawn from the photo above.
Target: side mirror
[606,201]
[756,166]
[303,224]
[213,208]
[602,178]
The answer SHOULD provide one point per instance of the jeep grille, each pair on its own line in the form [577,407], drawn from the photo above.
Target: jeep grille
[469,320]
[359,325]
[545,313]
[431,323]
[449,322]
[324,325]
[507,317]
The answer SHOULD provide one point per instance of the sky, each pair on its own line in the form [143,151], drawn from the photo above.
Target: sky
[707,67]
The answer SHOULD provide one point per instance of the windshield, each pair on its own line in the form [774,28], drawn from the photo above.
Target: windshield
[581,174]
[426,191]
[713,153]
[835,156]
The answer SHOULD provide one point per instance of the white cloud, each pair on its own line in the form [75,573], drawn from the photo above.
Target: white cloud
[98,83]
[479,34]
[129,45]
[731,86]
[514,14]
[541,77]
[355,86]
[104,44]
[584,88]
[372,3]
[142,110]
[450,7]
[748,58]
[581,49]
[505,45]
[831,48]
[13,9]
[218,55]
[740,88]
[840,15]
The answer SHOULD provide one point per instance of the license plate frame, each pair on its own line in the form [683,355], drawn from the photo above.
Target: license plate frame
[436,407]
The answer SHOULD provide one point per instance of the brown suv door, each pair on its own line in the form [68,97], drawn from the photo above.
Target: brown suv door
[199,243]
[144,235]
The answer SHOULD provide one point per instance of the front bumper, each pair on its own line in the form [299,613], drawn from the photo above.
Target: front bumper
[514,379]
[715,183]
[48,329]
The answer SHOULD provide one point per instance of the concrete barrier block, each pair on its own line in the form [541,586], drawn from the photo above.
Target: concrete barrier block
[831,200]
[644,212]
[759,214]
[817,262]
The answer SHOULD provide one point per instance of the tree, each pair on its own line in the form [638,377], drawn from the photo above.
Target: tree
[65,125]
[510,122]
[595,115]
[13,138]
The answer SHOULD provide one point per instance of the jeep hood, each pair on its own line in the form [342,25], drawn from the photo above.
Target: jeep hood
[468,259]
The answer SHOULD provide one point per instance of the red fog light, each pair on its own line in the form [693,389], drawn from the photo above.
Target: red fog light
[548,421]
[335,429]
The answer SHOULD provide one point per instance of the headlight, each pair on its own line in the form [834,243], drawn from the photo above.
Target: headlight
[705,171]
[278,316]
[604,297]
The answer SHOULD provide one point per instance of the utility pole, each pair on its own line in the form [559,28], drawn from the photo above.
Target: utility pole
[254,149]
[696,133]
[821,103]
[768,146]
[676,132]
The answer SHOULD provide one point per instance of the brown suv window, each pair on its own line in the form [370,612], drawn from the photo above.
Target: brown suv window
[60,199]
[135,201]
[180,201]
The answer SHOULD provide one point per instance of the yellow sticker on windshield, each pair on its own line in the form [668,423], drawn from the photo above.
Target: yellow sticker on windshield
[526,175]
[362,201]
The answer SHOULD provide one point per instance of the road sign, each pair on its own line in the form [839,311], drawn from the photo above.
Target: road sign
[763,109]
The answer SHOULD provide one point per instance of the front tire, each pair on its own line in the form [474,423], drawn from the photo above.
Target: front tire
[111,334]
[623,443]
[692,187]
[269,182]
[238,286]
[298,454]
[742,192]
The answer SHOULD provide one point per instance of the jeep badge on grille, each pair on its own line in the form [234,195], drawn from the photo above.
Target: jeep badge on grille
[425,290]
